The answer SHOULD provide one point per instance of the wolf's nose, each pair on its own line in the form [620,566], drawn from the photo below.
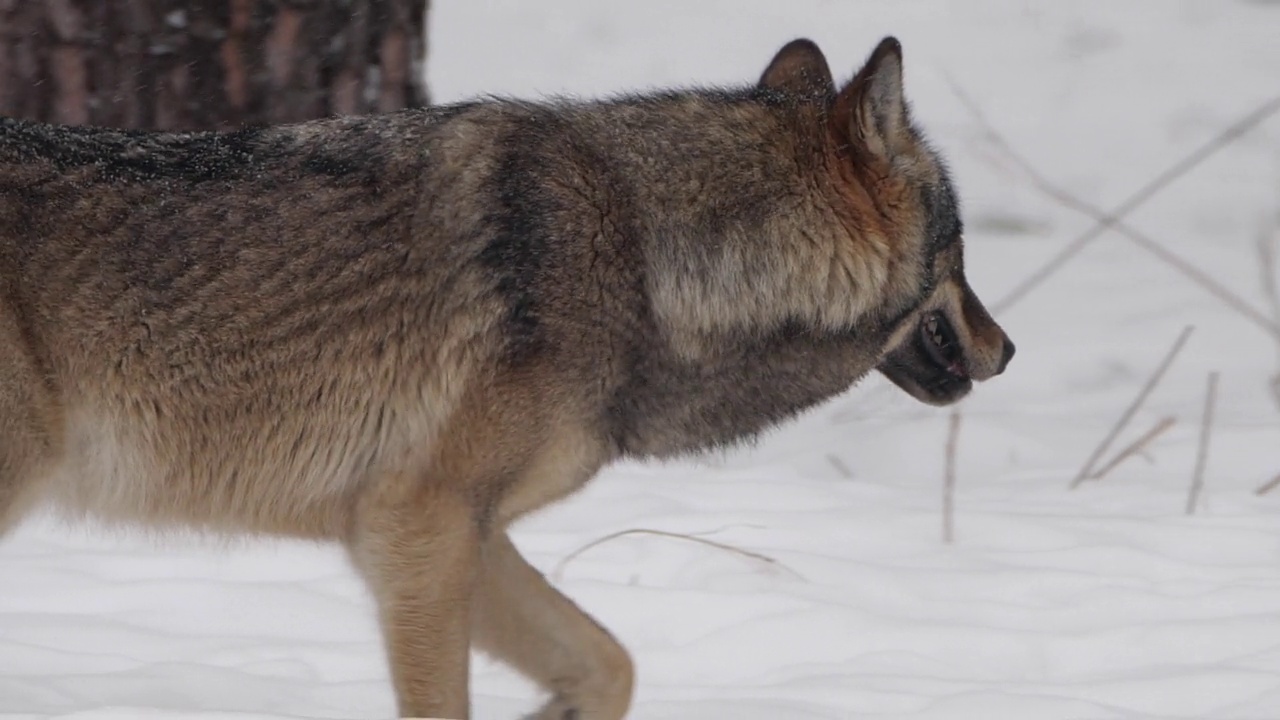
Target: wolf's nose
[1009,350]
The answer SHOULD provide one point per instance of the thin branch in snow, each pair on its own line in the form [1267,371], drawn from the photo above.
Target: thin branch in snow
[1133,408]
[1202,453]
[1136,446]
[1268,238]
[1267,487]
[949,479]
[1114,220]
[559,568]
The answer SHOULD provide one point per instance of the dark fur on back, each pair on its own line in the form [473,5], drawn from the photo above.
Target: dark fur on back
[572,207]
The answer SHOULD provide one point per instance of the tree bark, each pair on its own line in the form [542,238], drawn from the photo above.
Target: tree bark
[204,64]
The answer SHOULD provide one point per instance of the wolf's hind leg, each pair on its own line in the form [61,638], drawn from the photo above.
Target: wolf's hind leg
[26,416]
[521,619]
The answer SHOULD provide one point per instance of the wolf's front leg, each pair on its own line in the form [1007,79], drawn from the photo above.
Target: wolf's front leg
[417,544]
[521,619]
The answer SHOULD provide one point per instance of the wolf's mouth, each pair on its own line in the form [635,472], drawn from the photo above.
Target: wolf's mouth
[930,364]
[941,343]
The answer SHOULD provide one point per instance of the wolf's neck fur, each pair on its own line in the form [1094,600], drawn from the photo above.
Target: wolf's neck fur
[749,237]
[702,236]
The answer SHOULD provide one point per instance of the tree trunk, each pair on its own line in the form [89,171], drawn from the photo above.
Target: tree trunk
[200,64]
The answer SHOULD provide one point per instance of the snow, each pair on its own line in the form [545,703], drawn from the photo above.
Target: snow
[1103,602]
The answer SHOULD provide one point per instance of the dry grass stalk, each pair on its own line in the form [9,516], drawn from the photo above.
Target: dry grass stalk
[1268,238]
[1133,408]
[1202,453]
[1207,283]
[559,568]
[1113,221]
[1136,446]
[949,479]
[1268,486]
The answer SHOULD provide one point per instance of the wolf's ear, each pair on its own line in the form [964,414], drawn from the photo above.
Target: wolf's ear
[872,106]
[800,68]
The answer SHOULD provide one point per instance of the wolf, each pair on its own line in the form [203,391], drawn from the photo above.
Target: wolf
[403,332]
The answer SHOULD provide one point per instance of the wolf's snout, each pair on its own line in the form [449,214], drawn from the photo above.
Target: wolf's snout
[1007,354]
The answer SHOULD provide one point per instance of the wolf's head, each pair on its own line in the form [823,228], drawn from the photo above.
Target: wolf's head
[893,192]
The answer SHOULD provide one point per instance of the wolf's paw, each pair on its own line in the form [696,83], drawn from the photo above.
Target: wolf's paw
[558,708]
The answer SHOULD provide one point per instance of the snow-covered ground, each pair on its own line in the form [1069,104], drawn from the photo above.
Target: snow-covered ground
[1105,602]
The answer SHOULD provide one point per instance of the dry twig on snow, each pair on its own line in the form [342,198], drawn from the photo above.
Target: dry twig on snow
[1113,221]
[1136,446]
[1133,408]
[1268,486]
[1268,238]
[559,568]
[1202,453]
[949,479]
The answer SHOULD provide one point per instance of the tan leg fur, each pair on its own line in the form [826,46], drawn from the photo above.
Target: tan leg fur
[521,619]
[416,545]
